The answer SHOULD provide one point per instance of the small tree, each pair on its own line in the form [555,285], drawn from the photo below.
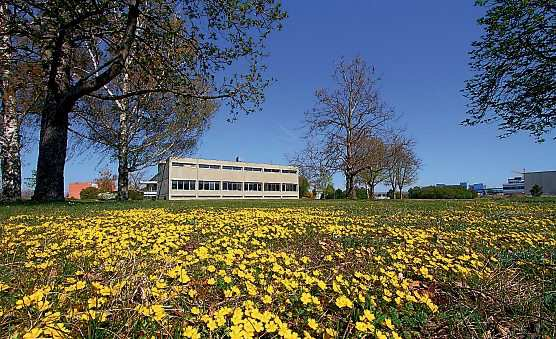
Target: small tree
[374,158]
[303,186]
[105,181]
[536,190]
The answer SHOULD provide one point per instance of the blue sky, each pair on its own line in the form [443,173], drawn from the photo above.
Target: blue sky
[419,49]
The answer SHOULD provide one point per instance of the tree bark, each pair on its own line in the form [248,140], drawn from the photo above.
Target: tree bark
[52,151]
[123,176]
[350,191]
[123,150]
[10,123]
[10,145]
[371,191]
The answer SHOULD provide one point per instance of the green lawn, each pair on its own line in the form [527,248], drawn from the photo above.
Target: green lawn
[466,268]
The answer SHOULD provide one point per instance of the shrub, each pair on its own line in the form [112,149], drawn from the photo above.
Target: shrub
[536,190]
[135,195]
[361,193]
[107,196]
[309,195]
[89,193]
[441,192]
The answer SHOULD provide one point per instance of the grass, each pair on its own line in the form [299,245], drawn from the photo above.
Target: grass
[481,268]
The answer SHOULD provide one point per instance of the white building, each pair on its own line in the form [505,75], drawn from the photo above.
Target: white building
[190,178]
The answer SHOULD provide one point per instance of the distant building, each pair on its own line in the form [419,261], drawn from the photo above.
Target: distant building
[479,188]
[515,185]
[494,191]
[463,184]
[545,179]
[189,178]
[75,189]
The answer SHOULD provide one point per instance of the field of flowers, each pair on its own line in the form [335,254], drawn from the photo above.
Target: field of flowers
[349,270]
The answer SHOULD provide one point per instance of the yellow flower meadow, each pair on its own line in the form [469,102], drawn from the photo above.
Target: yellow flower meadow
[245,272]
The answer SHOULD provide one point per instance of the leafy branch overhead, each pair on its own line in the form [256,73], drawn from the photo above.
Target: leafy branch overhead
[189,49]
[514,65]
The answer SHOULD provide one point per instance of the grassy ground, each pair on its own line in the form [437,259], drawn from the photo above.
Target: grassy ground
[483,268]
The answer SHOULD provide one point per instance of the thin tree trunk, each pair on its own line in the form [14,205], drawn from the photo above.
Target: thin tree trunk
[393,191]
[11,160]
[123,176]
[10,147]
[52,151]
[123,170]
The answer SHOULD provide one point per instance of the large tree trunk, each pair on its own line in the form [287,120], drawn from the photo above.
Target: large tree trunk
[10,145]
[371,191]
[350,190]
[52,151]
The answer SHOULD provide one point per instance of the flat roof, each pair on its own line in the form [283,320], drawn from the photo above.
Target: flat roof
[552,171]
[231,162]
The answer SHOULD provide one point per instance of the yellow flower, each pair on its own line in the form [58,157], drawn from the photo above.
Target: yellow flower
[33,333]
[191,332]
[267,299]
[343,301]
[312,323]
[306,298]
[388,323]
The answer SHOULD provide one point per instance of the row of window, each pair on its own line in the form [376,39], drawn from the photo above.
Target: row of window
[203,185]
[232,168]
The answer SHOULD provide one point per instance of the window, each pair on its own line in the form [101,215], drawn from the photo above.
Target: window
[209,185]
[274,170]
[232,168]
[271,187]
[209,166]
[252,186]
[289,187]
[253,169]
[184,185]
[231,186]
[183,164]
[289,171]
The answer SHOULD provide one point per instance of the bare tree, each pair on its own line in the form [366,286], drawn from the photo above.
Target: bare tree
[375,163]
[344,116]
[313,166]
[402,163]
[135,179]
[141,130]
[407,169]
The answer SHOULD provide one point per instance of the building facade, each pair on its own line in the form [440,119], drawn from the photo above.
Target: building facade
[190,178]
[515,185]
[545,179]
